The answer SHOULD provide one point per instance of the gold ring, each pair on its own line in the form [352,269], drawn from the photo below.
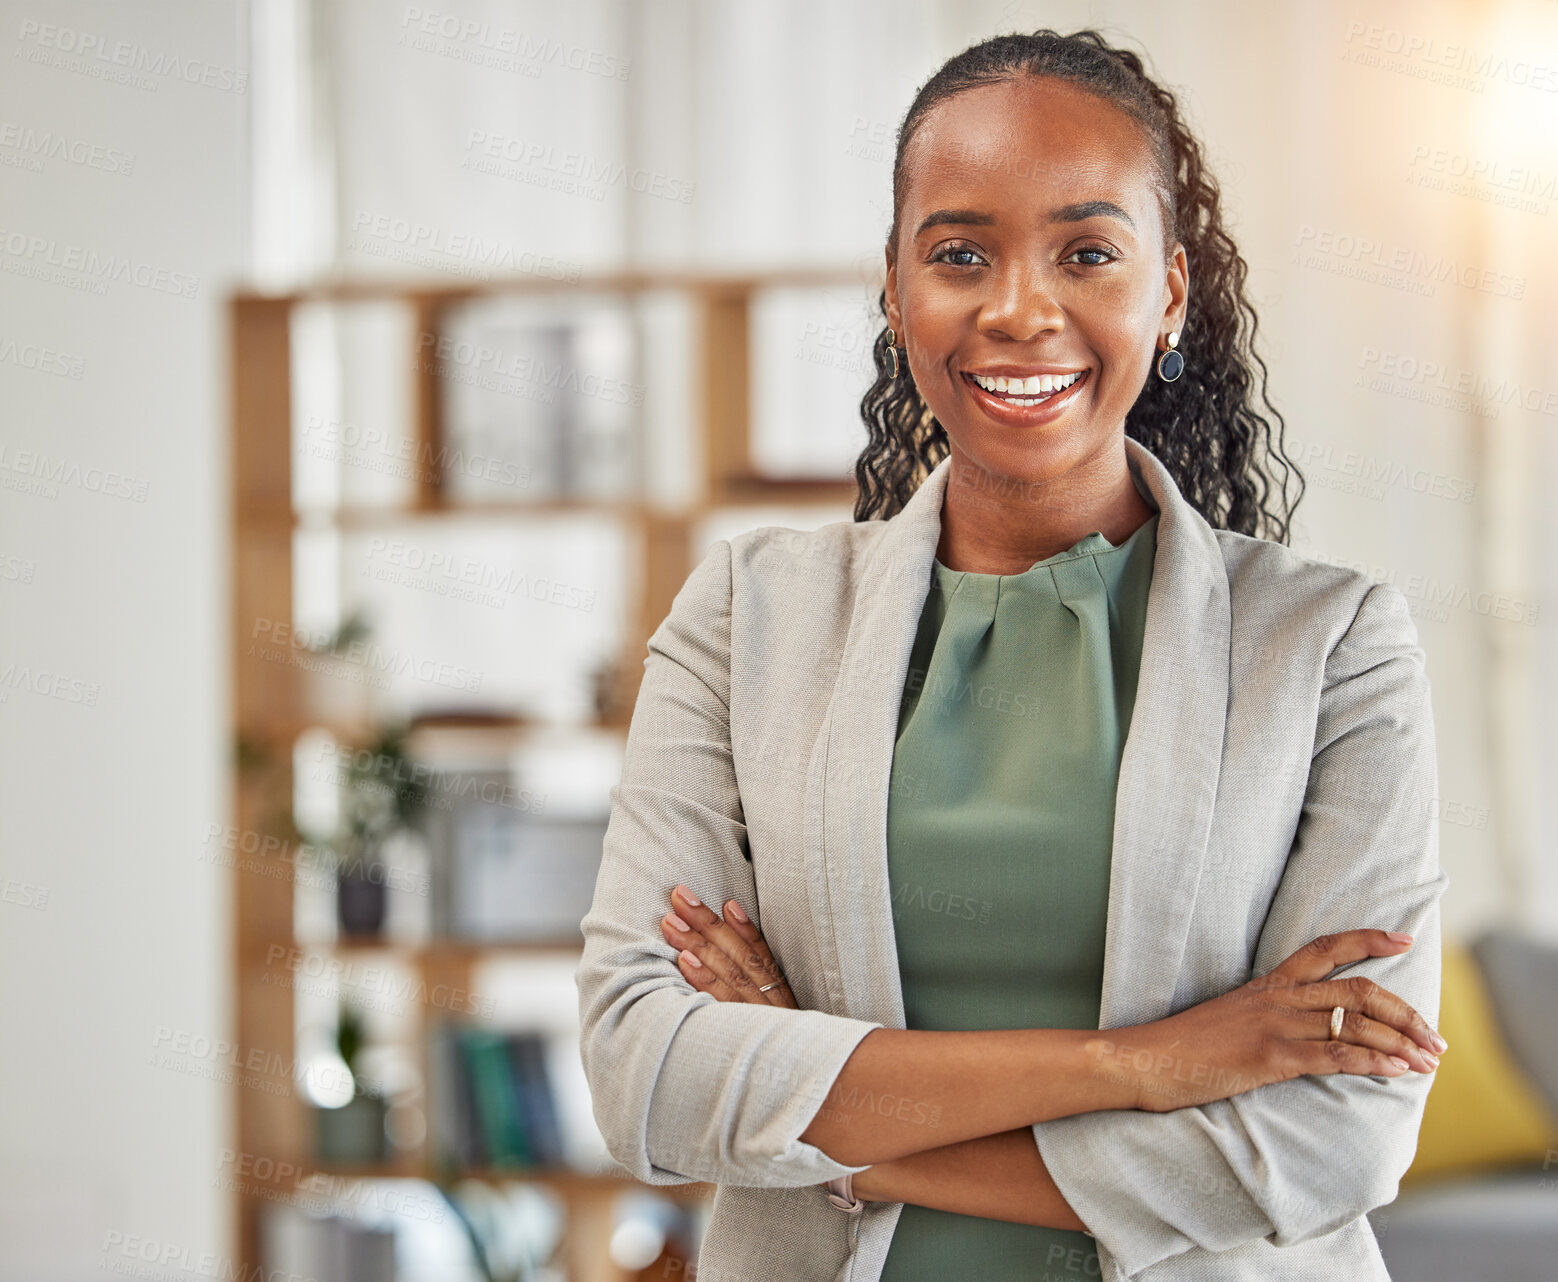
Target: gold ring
[1338,1014]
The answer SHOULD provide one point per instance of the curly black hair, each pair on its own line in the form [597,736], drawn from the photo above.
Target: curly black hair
[1221,451]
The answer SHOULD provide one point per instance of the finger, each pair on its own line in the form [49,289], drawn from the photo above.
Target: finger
[766,964]
[1361,1030]
[1319,1058]
[1318,958]
[707,967]
[740,964]
[1360,993]
[704,979]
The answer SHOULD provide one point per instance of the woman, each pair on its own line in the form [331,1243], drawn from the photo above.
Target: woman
[1044,800]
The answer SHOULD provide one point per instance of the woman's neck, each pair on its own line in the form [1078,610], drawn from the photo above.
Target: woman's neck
[993,524]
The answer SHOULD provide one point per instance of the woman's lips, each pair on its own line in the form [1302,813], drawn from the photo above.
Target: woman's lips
[1002,410]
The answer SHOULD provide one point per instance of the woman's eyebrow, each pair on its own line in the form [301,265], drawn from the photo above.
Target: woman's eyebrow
[1073,213]
[1091,209]
[968,217]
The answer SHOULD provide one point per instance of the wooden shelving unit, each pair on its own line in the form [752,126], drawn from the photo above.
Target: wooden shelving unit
[269,698]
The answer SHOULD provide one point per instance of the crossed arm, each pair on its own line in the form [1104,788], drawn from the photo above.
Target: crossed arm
[999,1177]
[689,1088]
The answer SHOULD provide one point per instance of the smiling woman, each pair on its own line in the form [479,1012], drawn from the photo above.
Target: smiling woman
[1028,969]
[1047,194]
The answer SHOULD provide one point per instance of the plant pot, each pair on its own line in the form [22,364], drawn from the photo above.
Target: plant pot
[362,896]
[352,1135]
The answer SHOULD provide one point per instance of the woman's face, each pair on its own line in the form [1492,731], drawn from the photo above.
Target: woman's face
[1030,243]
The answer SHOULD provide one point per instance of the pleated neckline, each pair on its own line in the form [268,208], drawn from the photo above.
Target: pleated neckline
[1091,544]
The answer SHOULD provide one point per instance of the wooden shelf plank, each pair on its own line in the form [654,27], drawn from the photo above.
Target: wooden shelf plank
[564,1181]
[421,291]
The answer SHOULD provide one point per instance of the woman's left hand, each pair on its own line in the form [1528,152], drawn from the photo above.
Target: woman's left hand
[727,957]
[733,962]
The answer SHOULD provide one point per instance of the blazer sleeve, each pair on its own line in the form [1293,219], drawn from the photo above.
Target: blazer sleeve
[1294,1160]
[685,1087]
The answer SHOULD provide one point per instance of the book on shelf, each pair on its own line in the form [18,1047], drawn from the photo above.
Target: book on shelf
[492,1100]
[504,870]
[297,1243]
[540,400]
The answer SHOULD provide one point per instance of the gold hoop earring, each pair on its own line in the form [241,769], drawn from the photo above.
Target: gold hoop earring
[1171,364]
[896,366]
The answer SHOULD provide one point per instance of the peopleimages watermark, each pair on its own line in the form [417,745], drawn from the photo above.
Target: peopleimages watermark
[319,866]
[17,569]
[1396,266]
[277,641]
[871,140]
[1434,376]
[153,1259]
[395,987]
[267,855]
[1491,181]
[433,786]
[31,147]
[574,173]
[458,252]
[549,377]
[46,684]
[375,450]
[1433,598]
[504,48]
[1453,63]
[1359,472]
[254,1068]
[321,1191]
[80,267]
[120,61]
[464,578]
[937,900]
[40,359]
[836,347]
[23,894]
[34,472]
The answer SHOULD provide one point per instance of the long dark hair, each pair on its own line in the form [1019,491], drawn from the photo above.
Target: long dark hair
[1221,451]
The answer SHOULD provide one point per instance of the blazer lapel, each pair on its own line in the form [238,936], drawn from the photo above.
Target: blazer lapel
[1168,772]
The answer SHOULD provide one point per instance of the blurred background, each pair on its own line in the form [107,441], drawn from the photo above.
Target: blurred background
[373,374]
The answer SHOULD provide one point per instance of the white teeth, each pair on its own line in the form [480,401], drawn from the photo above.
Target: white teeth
[1038,384]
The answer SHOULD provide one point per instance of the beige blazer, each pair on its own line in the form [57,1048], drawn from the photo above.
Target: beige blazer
[1278,783]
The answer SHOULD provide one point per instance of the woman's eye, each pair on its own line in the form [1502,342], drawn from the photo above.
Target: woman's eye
[945,253]
[1106,255]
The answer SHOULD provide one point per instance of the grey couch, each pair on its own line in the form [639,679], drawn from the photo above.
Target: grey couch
[1501,1226]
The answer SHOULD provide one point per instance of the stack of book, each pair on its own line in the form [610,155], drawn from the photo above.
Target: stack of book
[295,1243]
[493,1105]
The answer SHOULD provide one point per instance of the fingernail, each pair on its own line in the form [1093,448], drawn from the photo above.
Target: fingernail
[734,909]
[1399,1062]
[1400,936]
[690,958]
[677,922]
[1432,1059]
[689,897]
[1439,1041]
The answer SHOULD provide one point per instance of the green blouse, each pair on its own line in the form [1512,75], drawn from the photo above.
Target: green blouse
[999,828]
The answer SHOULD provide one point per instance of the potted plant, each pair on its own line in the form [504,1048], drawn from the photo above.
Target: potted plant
[353,1134]
[380,797]
[338,684]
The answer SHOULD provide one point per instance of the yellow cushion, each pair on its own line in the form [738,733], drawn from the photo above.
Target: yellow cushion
[1482,1110]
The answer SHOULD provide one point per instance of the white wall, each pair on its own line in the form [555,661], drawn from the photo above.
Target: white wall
[106,802]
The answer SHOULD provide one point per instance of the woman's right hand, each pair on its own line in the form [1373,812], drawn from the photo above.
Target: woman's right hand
[1275,1028]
